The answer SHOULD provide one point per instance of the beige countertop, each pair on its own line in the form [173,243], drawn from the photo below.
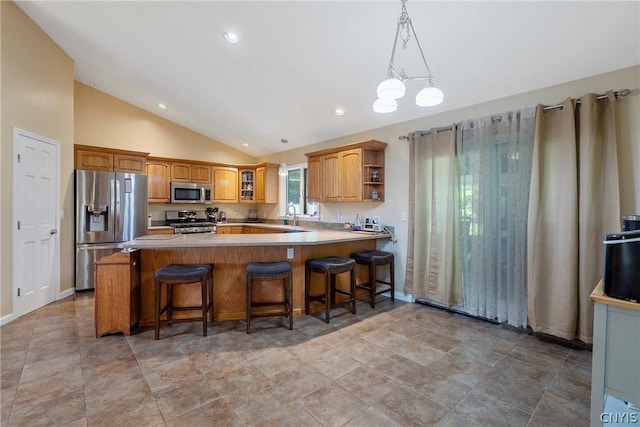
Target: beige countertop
[599,296]
[301,237]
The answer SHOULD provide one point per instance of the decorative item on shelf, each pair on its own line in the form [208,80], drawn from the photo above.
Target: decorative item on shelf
[374,195]
[393,87]
[375,175]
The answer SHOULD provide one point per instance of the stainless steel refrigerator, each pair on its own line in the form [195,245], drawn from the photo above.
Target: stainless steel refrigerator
[111,207]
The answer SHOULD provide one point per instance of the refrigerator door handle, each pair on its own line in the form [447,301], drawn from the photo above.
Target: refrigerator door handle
[93,247]
[116,224]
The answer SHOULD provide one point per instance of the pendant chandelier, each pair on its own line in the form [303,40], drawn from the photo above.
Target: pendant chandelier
[393,87]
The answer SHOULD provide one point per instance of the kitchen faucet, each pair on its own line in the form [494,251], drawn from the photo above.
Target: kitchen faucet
[290,208]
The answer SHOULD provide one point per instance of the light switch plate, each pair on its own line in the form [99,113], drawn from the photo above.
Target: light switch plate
[289,253]
[404,216]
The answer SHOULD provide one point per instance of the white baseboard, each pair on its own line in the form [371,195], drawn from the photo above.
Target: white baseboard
[6,319]
[404,297]
[66,293]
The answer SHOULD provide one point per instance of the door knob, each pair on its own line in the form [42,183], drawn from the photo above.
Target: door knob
[53,231]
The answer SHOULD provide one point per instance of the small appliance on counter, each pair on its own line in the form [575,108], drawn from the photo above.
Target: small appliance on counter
[189,222]
[630,222]
[223,217]
[373,223]
[211,214]
[252,216]
[622,265]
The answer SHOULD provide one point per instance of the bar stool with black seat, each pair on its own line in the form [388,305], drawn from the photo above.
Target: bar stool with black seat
[270,272]
[330,267]
[373,259]
[183,274]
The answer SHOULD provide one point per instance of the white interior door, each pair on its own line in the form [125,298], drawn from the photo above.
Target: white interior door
[36,243]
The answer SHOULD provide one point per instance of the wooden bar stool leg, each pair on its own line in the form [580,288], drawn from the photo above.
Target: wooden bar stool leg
[205,304]
[249,285]
[372,284]
[169,301]
[307,288]
[392,281]
[157,310]
[289,291]
[352,278]
[329,285]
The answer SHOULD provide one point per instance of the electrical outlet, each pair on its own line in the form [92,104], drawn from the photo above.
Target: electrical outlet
[289,253]
[339,217]
[404,216]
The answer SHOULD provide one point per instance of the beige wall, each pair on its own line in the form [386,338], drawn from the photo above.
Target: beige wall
[397,154]
[104,121]
[37,96]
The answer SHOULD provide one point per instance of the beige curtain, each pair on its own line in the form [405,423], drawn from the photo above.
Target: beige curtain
[573,202]
[433,266]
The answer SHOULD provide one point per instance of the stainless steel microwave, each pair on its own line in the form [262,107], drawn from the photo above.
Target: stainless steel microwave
[190,192]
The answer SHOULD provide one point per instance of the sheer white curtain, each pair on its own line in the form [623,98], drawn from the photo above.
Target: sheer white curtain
[494,158]
[432,272]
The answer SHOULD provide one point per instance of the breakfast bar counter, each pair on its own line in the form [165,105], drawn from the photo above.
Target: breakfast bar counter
[231,252]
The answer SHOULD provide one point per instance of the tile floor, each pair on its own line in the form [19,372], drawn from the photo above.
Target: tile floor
[398,365]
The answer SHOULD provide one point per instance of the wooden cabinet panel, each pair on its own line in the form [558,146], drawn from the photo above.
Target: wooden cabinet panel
[180,172]
[351,175]
[159,176]
[108,159]
[314,177]
[164,230]
[267,183]
[94,160]
[129,163]
[201,173]
[117,293]
[331,177]
[190,172]
[225,184]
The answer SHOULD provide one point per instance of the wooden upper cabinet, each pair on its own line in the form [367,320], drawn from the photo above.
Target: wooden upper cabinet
[190,172]
[331,177]
[225,184]
[159,172]
[128,163]
[94,160]
[314,179]
[350,173]
[109,159]
[267,183]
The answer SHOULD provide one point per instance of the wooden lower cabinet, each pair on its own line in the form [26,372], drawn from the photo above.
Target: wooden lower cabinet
[117,293]
[229,282]
[163,230]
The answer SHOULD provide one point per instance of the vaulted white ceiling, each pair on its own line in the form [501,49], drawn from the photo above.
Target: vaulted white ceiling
[299,60]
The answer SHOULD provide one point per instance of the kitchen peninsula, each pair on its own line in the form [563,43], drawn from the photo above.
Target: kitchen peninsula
[231,252]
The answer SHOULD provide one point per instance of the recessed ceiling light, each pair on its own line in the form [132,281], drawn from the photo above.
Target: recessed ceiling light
[231,37]
[245,144]
[338,112]
[162,106]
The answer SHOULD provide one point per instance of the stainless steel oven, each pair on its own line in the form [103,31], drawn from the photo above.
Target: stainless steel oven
[189,192]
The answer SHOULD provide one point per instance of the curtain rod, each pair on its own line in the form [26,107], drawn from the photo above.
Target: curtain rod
[618,94]
[427,132]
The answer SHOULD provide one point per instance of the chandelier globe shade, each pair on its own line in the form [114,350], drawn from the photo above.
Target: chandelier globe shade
[429,96]
[385,105]
[391,88]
